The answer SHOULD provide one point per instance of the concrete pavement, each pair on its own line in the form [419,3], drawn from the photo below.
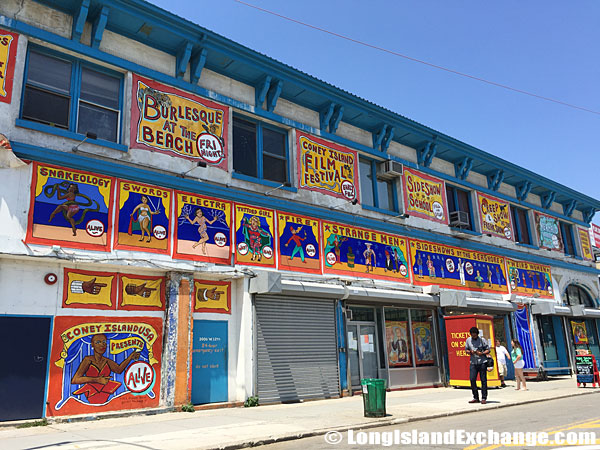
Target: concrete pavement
[243,427]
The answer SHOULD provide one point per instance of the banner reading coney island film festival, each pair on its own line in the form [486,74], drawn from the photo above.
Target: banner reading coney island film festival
[424,196]
[8,53]
[70,208]
[457,268]
[529,279]
[171,121]
[494,216]
[299,243]
[360,252]
[586,246]
[254,236]
[104,364]
[327,168]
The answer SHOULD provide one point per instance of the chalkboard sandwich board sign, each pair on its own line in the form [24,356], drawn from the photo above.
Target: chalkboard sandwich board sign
[587,371]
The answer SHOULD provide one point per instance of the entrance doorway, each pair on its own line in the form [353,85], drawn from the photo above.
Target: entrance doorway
[362,351]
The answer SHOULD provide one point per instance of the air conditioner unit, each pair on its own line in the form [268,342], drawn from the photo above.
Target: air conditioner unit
[389,169]
[459,219]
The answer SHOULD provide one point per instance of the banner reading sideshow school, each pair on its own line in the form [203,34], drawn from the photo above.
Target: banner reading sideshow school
[494,216]
[424,196]
[327,168]
[8,53]
[457,268]
[299,243]
[177,123]
[360,252]
[586,246]
[529,279]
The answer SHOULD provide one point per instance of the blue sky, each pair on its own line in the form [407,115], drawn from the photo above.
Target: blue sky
[549,48]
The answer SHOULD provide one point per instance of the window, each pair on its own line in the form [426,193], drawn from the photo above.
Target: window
[566,232]
[69,94]
[575,295]
[260,151]
[374,192]
[546,327]
[521,225]
[459,208]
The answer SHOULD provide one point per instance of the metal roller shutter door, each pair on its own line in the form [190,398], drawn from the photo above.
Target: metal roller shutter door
[297,351]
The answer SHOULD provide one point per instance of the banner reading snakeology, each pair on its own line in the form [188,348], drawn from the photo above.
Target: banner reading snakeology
[69,207]
[424,196]
[529,279]
[494,215]
[254,236]
[104,364]
[299,243]
[436,264]
[8,59]
[359,252]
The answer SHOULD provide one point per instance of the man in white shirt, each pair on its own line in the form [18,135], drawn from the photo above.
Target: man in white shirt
[501,354]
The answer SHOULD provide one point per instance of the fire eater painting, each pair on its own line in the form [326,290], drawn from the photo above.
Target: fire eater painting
[104,364]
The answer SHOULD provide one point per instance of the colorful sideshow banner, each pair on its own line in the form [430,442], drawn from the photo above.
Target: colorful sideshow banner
[549,232]
[139,292]
[70,208]
[8,59]
[299,243]
[212,296]
[595,235]
[424,196]
[203,230]
[529,279]
[586,246]
[143,217]
[422,341]
[579,332]
[104,364]
[397,344]
[171,121]
[457,268]
[494,216]
[89,289]
[360,252]
[254,232]
[327,168]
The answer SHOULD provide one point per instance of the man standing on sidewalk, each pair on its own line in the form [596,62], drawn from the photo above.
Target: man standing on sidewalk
[478,348]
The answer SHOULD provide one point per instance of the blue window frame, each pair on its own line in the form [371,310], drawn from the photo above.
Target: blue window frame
[459,200]
[70,97]
[374,192]
[260,151]
[568,239]
[520,219]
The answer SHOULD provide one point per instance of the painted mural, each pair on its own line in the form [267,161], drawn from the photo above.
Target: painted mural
[397,343]
[104,364]
[529,279]
[580,335]
[586,246]
[171,121]
[423,344]
[254,236]
[203,230]
[212,296]
[143,217]
[494,216]
[8,57]
[360,252]
[70,208]
[299,243]
[327,168]
[436,264]
[89,289]
[424,196]
[549,232]
[140,292]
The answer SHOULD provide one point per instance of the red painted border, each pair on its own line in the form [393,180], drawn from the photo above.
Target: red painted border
[90,273]
[141,307]
[510,221]
[299,268]
[212,310]
[433,180]
[273,234]
[10,69]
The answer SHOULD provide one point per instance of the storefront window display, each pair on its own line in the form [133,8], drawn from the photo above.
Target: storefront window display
[584,335]
[547,333]
[409,338]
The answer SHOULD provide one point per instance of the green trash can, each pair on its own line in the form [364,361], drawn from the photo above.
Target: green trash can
[373,392]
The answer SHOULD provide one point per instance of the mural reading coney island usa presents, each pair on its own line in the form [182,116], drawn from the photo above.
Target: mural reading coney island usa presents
[424,196]
[360,252]
[177,123]
[494,216]
[8,53]
[70,208]
[327,168]
[299,243]
[254,232]
[457,268]
[203,230]
[143,217]
[104,364]
[529,279]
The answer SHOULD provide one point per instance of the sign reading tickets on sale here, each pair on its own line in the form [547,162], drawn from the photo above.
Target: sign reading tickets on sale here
[180,124]
[424,196]
[586,246]
[494,216]
[327,168]
[8,53]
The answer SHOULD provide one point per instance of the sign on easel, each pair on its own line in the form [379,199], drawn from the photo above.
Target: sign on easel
[587,370]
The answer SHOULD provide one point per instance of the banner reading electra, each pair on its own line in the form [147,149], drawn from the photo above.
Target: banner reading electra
[457,268]
[8,53]
[359,252]
[70,208]
[529,279]
[254,231]
[424,196]
[299,243]
[327,168]
[494,216]
[173,122]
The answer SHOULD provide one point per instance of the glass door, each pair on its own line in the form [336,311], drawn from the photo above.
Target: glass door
[362,352]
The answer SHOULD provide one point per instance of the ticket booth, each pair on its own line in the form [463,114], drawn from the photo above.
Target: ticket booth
[457,331]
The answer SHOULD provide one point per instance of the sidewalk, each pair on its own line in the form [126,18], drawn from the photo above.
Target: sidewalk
[243,427]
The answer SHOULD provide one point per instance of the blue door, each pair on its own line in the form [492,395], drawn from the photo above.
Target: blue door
[209,362]
[25,360]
